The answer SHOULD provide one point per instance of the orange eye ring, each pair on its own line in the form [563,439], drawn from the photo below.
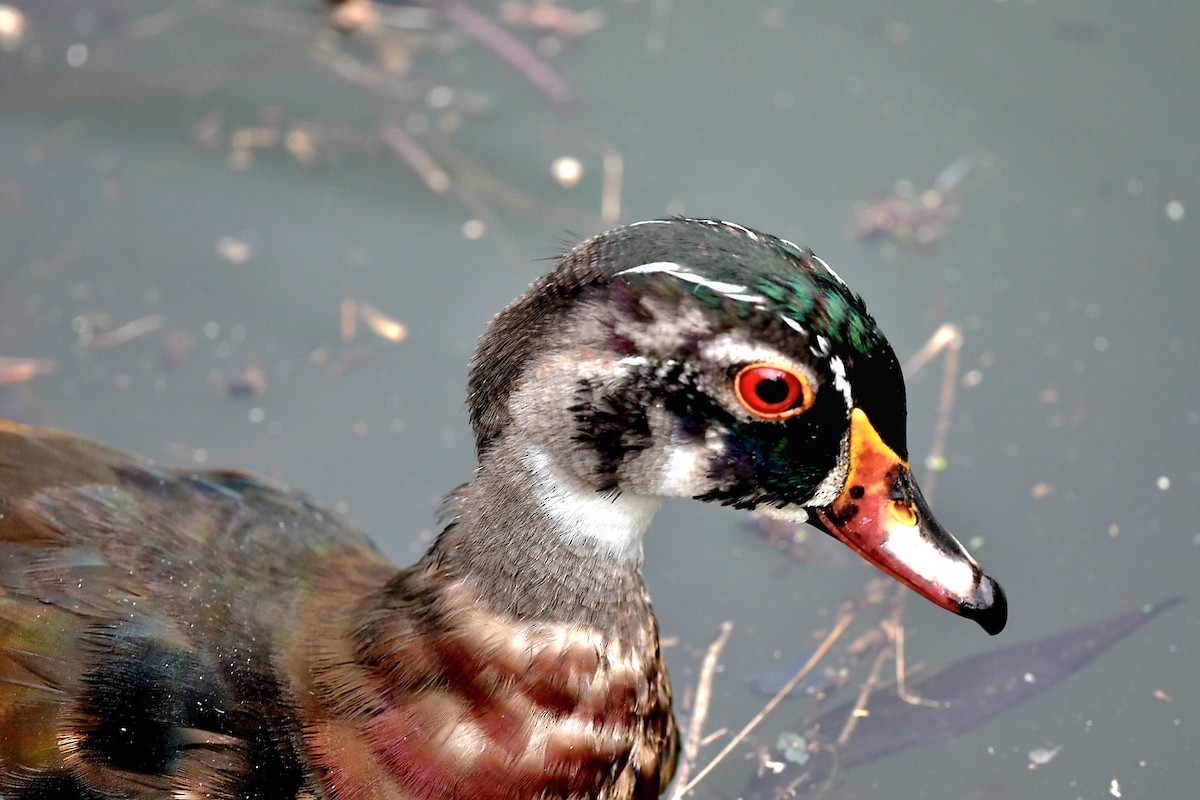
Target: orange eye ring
[772,391]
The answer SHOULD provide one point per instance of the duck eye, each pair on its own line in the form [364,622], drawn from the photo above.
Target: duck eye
[771,391]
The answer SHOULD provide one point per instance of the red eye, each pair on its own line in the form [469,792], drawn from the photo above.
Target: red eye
[770,391]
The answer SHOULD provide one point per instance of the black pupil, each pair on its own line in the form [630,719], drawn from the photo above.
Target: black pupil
[772,391]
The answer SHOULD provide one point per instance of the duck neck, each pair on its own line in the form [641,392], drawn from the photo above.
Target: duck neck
[535,544]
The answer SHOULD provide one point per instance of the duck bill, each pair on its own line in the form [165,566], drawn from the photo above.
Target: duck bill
[881,515]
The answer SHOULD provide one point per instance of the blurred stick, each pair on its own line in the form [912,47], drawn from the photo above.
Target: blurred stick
[21,370]
[948,338]
[610,195]
[826,644]
[869,686]
[691,743]
[507,48]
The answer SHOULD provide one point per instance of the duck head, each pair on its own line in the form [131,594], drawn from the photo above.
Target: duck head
[698,358]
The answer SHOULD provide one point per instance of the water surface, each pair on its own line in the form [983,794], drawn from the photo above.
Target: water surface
[1075,448]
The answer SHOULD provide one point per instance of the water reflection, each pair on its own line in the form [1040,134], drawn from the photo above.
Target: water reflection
[209,162]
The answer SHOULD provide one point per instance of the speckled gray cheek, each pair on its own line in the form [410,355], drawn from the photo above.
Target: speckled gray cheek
[538,411]
[672,331]
[678,465]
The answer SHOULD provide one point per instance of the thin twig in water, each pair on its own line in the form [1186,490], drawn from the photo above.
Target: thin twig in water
[948,338]
[691,743]
[610,194]
[826,644]
[509,49]
[102,339]
[869,686]
[417,158]
[655,41]
[897,631]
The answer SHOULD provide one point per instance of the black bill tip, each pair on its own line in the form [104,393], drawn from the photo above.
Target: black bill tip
[990,609]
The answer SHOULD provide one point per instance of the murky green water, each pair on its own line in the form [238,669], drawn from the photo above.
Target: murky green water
[1075,446]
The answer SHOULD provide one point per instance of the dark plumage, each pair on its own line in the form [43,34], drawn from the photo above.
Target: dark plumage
[166,633]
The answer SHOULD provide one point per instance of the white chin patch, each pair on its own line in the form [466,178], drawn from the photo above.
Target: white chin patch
[614,523]
[685,464]
[684,472]
[795,514]
[828,490]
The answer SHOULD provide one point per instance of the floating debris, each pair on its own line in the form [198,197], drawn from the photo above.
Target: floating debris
[351,313]
[1042,490]
[383,326]
[349,320]
[1040,756]
[914,222]
[546,16]
[917,220]
[355,16]
[793,746]
[95,331]
[436,179]
[22,370]
[610,194]
[177,347]
[208,131]
[968,693]
[252,382]
[304,142]
[352,357]
[506,47]
[235,251]
[568,171]
[474,229]
[12,27]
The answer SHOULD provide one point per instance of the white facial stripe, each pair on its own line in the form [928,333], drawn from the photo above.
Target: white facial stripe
[733,291]
[748,297]
[731,349]
[749,234]
[828,269]
[906,544]
[838,368]
[828,490]
[614,523]
[791,323]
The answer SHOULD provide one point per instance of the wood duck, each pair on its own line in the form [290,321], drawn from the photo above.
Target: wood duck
[173,633]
